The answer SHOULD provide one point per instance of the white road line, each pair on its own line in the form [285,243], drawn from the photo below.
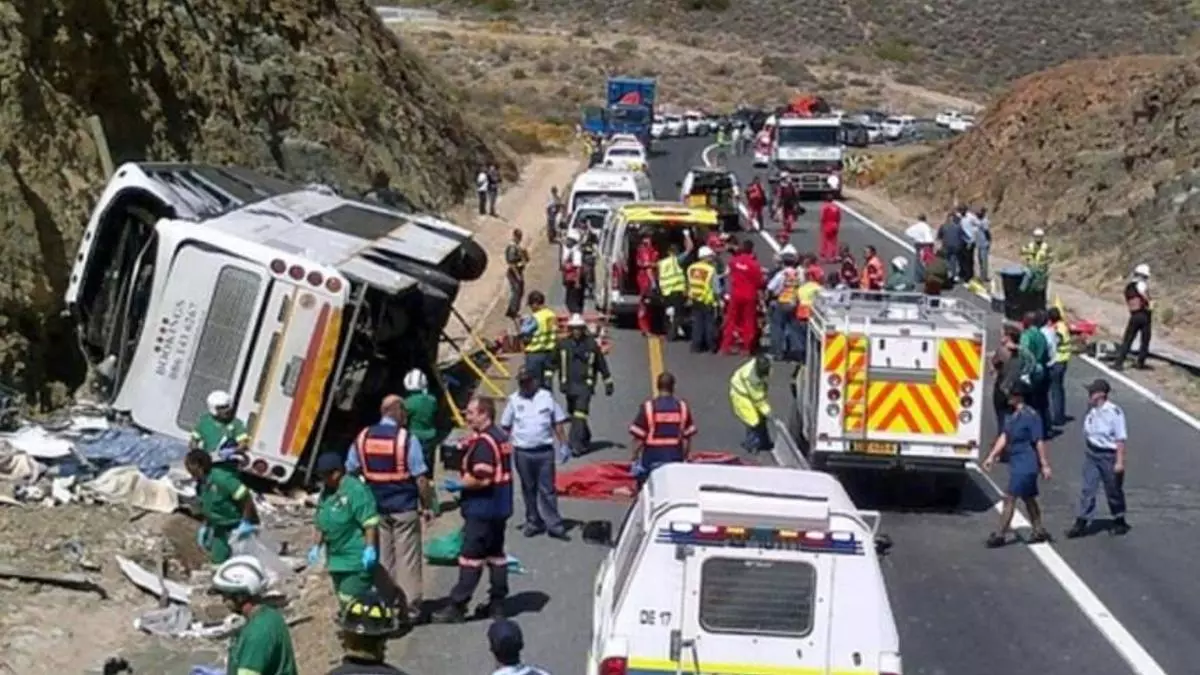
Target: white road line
[1134,654]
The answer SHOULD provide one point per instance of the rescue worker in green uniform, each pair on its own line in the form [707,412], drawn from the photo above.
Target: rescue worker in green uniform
[898,280]
[219,431]
[346,526]
[225,503]
[421,408]
[263,646]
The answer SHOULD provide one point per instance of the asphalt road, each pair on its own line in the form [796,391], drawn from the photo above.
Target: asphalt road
[1101,605]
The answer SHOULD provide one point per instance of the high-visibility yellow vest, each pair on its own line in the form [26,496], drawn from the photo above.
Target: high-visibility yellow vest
[746,385]
[791,282]
[806,295]
[1036,254]
[670,276]
[700,283]
[1062,353]
[545,337]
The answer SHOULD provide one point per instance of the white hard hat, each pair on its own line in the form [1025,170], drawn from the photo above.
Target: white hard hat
[900,262]
[241,575]
[705,252]
[1039,233]
[576,321]
[1142,270]
[218,399]
[415,380]
[787,250]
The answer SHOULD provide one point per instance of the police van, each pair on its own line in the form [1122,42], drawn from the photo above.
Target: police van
[728,569]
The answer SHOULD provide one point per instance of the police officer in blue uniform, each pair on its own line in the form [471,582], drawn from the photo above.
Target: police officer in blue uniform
[662,430]
[486,505]
[1105,433]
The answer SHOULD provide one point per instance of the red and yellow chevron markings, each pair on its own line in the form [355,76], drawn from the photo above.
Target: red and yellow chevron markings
[846,357]
[899,407]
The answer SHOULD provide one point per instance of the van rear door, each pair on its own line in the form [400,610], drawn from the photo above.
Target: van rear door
[755,610]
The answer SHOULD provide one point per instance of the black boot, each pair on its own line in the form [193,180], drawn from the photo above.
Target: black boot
[1077,530]
[1120,527]
[452,613]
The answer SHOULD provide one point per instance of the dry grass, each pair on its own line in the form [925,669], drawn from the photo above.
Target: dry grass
[535,79]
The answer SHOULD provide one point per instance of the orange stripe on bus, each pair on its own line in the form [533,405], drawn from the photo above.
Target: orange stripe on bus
[306,373]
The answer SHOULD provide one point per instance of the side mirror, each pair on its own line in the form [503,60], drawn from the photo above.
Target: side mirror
[598,533]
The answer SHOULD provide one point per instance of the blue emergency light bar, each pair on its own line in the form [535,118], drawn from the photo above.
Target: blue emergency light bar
[844,543]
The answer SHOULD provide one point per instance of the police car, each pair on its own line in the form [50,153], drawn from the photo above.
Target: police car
[728,569]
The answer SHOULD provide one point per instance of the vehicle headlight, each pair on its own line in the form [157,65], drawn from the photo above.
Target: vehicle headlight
[834,181]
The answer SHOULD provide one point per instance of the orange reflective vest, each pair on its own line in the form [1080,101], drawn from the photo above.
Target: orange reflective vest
[872,275]
[806,295]
[791,282]
[383,461]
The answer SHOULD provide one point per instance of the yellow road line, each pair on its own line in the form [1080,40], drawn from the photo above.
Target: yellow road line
[654,347]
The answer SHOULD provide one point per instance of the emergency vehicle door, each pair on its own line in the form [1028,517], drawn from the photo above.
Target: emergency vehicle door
[755,608]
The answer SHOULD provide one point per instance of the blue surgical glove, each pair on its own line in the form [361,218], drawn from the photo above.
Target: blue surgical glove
[314,555]
[369,557]
[452,485]
[202,536]
[244,529]
[564,453]
[636,469]
[228,453]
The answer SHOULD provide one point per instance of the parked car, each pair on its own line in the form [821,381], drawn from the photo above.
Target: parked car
[874,132]
[855,134]
[945,117]
[962,123]
[896,127]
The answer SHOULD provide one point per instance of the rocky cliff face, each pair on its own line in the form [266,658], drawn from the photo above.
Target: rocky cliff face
[312,90]
[1105,155]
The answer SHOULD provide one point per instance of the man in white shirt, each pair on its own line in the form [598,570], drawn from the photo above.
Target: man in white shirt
[574,283]
[970,227]
[922,235]
[482,183]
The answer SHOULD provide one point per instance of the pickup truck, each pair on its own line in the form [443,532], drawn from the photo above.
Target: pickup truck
[718,190]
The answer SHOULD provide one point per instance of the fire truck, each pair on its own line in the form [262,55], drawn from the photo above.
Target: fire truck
[806,145]
[892,381]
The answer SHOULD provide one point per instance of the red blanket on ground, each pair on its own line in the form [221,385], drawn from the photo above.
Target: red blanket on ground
[611,480]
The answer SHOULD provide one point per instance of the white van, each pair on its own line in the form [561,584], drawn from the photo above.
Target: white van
[610,184]
[740,569]
[626,156]
[693,122]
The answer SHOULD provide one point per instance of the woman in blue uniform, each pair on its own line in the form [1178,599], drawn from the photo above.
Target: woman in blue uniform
[1024,437]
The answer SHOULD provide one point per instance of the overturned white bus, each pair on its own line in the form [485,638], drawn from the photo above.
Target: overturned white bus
[305,305]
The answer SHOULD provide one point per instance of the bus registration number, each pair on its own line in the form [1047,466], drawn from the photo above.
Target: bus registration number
[874,448]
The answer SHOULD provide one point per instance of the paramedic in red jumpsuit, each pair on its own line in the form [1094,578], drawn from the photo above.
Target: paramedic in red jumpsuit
[831,222]
[647,262]
[746,279]
[788,200]
[756,203]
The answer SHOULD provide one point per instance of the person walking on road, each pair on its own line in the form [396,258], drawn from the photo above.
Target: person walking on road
[391,461]
[516,257]
[1137,300]
[493,188]
[540,331]
[580,364]
[703,289]
[505,641]
[534,423]
[782,289]
[364,625]
[346,527]
[263,645]
[662,430]
[831,224]
[1106,435]
[486,504]
[748,396]
[1058,366]
[1024,439]
[482,185]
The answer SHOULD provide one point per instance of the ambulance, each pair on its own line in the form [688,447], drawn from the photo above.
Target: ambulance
[743,570]
[892,380]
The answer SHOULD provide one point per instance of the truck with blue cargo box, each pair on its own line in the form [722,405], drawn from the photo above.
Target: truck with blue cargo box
[631,106]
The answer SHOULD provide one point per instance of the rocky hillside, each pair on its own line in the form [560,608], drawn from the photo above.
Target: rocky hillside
[306,89]
[1105,155]
[962,44]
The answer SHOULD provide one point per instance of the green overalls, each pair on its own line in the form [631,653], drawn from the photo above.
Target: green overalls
[342,518]
[221,494]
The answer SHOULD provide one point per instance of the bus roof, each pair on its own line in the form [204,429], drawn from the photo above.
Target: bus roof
[672,212]
[354,237]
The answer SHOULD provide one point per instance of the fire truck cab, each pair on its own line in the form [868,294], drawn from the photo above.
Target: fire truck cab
[892,381]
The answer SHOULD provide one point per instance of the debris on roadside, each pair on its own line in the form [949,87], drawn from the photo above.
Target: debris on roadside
[78,582]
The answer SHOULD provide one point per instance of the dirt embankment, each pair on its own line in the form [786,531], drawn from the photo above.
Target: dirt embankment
[1103,154]
[308,90]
